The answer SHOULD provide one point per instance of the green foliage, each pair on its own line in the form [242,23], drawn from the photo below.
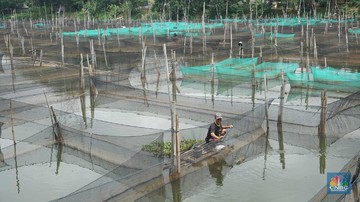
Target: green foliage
[32,13]
[162,149]
[162,9]
[7,6]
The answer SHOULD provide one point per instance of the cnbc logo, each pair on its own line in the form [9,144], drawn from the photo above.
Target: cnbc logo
[338,183]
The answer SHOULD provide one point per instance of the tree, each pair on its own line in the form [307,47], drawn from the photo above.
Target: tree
[7,6]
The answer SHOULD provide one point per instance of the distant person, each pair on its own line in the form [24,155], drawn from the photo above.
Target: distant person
[216,130]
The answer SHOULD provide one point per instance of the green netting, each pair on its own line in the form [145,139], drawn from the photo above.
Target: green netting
[236,62]
[281,35]
[232,20]
[354,31]
[298,79]
[40,25]
[332,75]
[158,29]
[262,35]
[234,68]
[286,67]
[191,34]
[196,70]
[284,22]
[290,22]
[325,79]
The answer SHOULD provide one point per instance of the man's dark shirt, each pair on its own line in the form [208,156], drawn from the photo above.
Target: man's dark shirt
[213,128]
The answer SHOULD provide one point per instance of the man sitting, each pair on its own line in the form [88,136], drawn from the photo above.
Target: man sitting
[216,130]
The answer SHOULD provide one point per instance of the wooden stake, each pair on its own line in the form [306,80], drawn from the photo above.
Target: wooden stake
[252,57]
[203,30]
[231,42]
[302,56]
[62,50]
[325,62]
[178,168]
[191,46]
[12,122]
[104,49]
[82,81]
[41,57]
[174,170]
[23,45]
[58,136]
[315,51]
[322,125]
[51,117]
[282,96]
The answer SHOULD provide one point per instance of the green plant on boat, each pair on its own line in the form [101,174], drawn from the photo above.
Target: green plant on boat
[163,149]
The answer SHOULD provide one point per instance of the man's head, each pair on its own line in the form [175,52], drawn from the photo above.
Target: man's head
[218,117]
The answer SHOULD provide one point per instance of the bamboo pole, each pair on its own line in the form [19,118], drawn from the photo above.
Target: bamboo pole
[266,103]
[282,96]
[118,37]
[307,62]
[315,51]
[231,42]
[325,62]
[173,75]
[339,30]
[41,57]
[178,168]
[252,57]
[322,153]
[51,117]
[191,45]
[322,125]
[104,49]
[203,29]
[276,31]
[16,170]
[143,73]
[212,80]
[62,50]
[11,50]
[99,38]
[82,81]
[12,122]
[58,136]
[184,45]
[307,34]
[88,62]
[77,38]
[93,56]
[302,56]
[225,31]
[23,45]
[347,41]
[174,166]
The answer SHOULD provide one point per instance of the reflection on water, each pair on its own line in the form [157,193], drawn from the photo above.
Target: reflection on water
[40,183]
[58,156]
[176,190]
[215,170]
[16,170]
[281,145]
[322,153]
